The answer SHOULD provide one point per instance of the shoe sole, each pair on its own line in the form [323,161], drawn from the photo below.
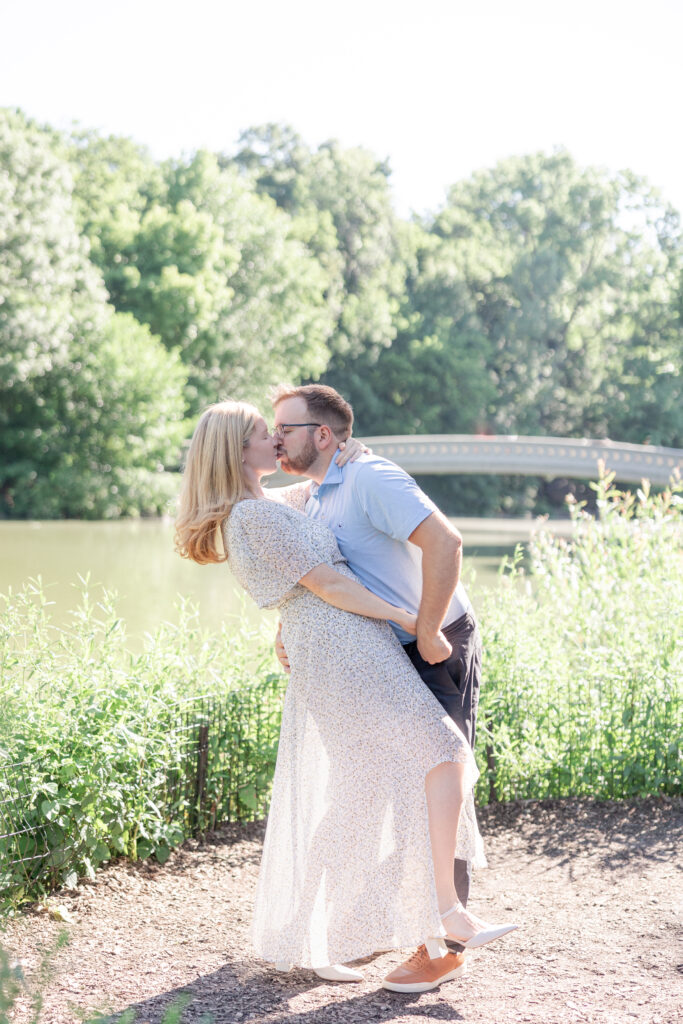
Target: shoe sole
[483,939]
[424,986]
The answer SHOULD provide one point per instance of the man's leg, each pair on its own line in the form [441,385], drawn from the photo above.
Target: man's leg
[455,684]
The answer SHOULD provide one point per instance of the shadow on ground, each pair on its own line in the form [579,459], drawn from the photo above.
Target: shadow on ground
[612,833]
[236,993]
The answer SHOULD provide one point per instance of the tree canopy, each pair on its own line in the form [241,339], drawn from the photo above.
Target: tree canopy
[542,298]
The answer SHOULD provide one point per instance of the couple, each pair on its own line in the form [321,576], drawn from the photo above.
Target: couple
[373,791]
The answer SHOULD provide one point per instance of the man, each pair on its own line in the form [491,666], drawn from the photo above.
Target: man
[402,548]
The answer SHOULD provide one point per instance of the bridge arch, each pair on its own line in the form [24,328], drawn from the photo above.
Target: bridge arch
[577,458]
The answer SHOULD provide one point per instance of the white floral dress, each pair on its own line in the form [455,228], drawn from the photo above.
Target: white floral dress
[347,866]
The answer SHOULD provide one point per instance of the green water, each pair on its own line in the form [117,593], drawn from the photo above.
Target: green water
[136,559]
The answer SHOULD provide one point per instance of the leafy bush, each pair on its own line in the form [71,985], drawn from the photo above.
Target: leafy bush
[583,660]
[109,753]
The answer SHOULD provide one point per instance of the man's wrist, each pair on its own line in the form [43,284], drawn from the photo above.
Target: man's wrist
[427,629]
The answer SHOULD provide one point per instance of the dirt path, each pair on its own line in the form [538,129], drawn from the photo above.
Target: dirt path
[595,886]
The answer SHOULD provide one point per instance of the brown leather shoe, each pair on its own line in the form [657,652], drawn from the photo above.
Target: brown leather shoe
[420,974]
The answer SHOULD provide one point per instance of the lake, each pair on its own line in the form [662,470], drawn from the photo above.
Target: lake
[135,557]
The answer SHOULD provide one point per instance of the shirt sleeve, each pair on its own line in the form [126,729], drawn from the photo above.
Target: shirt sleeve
[391,499]
[269,549]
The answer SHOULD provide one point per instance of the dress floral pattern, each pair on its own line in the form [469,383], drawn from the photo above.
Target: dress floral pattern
[347,866]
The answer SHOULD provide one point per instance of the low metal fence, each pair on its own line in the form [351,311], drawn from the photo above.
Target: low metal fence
[216,766]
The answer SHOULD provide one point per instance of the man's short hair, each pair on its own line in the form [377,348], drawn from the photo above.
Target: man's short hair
[324,404]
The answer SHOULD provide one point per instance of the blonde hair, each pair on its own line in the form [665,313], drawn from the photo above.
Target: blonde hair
[213,480]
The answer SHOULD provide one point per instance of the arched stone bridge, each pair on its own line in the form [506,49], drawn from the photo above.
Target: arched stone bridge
[529,456]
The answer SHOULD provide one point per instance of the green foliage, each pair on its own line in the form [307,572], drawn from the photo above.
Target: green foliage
[213,268]
[92,437]
[433,378]
[569,270]
[340,204]
[91,404]
[583,657]
[49,291]
[543,298]
[14,985]
[107,746]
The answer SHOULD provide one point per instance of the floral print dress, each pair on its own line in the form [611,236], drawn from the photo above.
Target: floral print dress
[347,866]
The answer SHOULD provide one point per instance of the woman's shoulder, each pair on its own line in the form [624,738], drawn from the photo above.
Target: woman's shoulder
[262,510]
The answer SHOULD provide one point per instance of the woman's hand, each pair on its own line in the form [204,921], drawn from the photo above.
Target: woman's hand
[350,449]
[406,620]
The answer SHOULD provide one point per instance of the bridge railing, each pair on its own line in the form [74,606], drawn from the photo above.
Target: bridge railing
[577,458]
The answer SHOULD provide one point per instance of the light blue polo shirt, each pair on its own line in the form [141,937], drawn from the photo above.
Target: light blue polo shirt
[372,506]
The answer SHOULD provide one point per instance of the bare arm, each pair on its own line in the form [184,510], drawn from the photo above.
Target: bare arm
[280,649]
[342,592]
[441,547]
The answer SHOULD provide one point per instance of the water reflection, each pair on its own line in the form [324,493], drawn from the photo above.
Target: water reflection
[136,558]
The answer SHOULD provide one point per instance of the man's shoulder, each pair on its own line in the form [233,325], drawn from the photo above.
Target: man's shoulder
[369,467]
[373,475]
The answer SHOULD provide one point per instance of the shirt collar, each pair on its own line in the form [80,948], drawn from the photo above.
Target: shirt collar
[333,476]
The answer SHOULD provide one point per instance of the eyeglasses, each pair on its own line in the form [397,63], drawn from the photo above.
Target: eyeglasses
[283,428]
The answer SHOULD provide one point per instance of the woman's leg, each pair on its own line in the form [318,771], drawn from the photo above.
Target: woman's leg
[445,788]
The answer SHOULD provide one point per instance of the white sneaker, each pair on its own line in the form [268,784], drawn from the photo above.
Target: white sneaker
[338,972]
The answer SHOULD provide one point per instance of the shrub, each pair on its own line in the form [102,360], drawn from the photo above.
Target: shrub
[583,659]
[109,753]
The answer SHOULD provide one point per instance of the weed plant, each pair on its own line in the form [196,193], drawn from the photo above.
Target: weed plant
[16,990]
[106,753]
[583,660]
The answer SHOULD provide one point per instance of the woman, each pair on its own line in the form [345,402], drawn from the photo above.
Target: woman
[373,789]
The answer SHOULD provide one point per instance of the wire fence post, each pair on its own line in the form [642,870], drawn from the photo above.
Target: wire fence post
[201,772]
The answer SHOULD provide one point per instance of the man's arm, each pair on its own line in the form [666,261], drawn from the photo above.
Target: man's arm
[441,547]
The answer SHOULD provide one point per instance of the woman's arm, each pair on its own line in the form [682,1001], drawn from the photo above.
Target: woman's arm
[342,592]
[293,495]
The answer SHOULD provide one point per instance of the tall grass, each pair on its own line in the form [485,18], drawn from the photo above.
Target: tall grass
[584,657]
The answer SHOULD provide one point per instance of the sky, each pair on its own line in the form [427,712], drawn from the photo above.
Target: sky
[439,88]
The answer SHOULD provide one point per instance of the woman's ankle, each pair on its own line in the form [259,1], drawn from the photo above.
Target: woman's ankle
[448,904]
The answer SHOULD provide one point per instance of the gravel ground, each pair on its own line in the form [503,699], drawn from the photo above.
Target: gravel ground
[594,886]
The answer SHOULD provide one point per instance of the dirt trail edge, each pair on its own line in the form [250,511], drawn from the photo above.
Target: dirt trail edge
[594,885]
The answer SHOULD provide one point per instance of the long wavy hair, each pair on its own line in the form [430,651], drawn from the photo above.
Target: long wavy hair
[213,480]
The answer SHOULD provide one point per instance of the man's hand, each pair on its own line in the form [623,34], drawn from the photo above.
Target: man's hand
[280,649]
[433,647]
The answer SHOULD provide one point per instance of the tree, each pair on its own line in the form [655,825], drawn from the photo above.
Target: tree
[93,437]
[115,182]
[215,271]
[569,270]
[48,287]
[91,405]
[340,203]
[433,377]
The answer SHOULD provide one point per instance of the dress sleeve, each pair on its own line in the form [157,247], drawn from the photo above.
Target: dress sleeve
[294,495]
[269,549]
